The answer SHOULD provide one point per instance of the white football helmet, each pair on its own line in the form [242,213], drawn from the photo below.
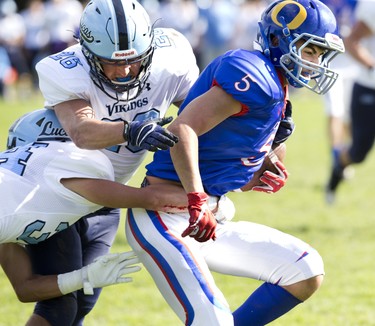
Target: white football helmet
[118,31]
[38,125]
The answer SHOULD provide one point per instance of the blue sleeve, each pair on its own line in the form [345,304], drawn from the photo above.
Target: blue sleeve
[242,75]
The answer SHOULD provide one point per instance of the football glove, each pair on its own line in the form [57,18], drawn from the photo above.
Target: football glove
[149,134]
[286,126]
[225,210]
[273,182]
[103,271]
[202,222]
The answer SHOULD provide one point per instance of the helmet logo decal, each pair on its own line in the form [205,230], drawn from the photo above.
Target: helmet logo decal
[297,21]
[124,54]
[86,34]
[50,130]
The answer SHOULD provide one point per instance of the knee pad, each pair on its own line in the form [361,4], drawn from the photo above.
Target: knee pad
[85,304]
[59,311]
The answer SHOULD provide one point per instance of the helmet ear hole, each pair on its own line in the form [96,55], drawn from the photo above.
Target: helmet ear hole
[274,40]
[12,142]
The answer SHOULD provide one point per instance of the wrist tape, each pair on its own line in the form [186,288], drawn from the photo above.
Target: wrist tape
[73,281]
[70,282]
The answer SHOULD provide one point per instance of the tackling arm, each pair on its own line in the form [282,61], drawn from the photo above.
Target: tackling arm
[109,193]
[78,119]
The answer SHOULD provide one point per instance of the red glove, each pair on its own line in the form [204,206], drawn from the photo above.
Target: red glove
[202,222]
[273,182]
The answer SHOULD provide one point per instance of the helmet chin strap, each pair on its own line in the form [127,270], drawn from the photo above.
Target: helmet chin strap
[286,31]
[265,47]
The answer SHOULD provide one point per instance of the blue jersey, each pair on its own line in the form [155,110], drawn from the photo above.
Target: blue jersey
[231,152]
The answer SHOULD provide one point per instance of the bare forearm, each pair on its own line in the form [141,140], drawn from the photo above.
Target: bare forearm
[86,131]
[354,45]
[159,197]
[38,288]
[112,194]
[185,159]
[17,267]
[361,54]
[95,134]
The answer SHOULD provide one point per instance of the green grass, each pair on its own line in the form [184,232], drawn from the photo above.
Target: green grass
[344,235]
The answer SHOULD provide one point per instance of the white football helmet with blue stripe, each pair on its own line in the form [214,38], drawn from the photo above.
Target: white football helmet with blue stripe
[118,31]
[38,125]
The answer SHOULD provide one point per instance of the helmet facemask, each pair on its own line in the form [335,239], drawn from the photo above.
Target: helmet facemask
[132,85]
[317,77]
[286,22]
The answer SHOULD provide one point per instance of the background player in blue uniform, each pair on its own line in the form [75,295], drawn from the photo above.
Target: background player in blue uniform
[226,126]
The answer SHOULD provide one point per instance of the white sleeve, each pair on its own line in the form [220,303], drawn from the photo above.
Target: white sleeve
[178,59]
[91,164]
[60,81]
[191,71]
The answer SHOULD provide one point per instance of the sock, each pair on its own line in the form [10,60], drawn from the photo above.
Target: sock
[264,305]
[336,155]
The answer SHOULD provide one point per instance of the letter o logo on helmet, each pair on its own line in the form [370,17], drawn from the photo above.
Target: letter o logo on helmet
[297,21]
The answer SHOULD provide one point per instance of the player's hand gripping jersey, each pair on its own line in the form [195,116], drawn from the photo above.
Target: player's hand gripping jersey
[230,153]
[66,76]
[34,205]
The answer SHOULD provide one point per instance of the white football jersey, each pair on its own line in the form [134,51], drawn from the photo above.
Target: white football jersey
[66,76]
[34,205]
[365,11]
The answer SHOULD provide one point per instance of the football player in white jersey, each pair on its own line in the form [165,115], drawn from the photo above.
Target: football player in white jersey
[46,186]
[104,90]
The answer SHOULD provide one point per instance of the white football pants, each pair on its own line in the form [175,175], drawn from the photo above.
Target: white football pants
[181,267]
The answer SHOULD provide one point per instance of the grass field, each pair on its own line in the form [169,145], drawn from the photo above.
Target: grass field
[344,234]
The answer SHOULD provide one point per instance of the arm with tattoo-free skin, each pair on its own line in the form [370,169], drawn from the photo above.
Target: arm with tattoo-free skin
[27,286]
[200,116]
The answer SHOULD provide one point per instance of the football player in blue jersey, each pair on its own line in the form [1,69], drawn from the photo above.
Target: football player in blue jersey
[226,126]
